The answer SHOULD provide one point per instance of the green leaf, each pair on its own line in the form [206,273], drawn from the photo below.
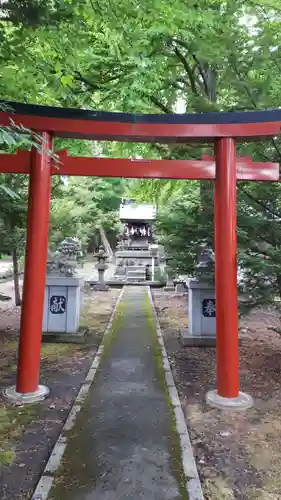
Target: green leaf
[67,80]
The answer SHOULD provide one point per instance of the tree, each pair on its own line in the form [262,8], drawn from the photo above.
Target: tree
[33,13]
[86,208]
[147,57]
[13,222]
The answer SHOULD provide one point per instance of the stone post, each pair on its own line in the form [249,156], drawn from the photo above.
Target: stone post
[202,304]
[154,249]
[63,293]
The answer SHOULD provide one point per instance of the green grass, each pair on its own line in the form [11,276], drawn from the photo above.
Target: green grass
[116,325]
[13,422]
[11,345]
[54,352]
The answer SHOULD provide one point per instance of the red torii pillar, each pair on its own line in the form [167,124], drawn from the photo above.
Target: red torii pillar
[227,394]
[226,271]
[27,388]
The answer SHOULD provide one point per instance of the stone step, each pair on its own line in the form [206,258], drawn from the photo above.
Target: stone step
[136,269]
[136,278]
[132,254]
[136,273]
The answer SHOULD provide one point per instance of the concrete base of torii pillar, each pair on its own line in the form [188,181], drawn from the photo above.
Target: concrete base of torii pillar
[17,398]
[242,402]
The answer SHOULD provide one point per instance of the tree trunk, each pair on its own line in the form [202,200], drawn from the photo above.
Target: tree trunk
[278,279]
[16,277]
[207,206]
[105,242]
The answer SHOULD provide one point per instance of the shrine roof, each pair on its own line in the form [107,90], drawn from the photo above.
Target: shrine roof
[137,212]
[104,125]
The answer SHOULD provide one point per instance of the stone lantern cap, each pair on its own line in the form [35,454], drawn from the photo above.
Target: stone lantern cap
[206,257]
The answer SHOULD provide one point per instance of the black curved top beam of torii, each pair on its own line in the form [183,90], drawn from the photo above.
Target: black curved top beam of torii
[115,126]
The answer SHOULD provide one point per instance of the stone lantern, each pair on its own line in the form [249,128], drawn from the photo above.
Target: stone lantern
[170,287]
[101,266]
[206,264]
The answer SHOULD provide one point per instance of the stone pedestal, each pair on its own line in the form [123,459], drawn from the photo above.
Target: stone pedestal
[62,304]
[180,288]
[170,287]
[101,285]
[201,315]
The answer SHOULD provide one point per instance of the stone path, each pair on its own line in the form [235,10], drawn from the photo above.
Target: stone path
[123,444]
[5,266]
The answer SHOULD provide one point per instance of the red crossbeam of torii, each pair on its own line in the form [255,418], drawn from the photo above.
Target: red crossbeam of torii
[205,169]
[221,129]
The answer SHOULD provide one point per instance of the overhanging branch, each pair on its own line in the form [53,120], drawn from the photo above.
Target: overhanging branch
[188,70]
[159,104]
[258,202]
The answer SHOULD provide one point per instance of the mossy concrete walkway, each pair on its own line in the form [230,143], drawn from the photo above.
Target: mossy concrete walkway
[124,444]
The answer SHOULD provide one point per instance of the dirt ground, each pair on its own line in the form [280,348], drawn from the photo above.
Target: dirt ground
[28,434]
[238,454]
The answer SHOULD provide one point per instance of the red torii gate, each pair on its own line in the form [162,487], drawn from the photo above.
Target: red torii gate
[222,129]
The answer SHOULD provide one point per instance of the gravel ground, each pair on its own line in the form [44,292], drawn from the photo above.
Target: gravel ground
[238,454]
